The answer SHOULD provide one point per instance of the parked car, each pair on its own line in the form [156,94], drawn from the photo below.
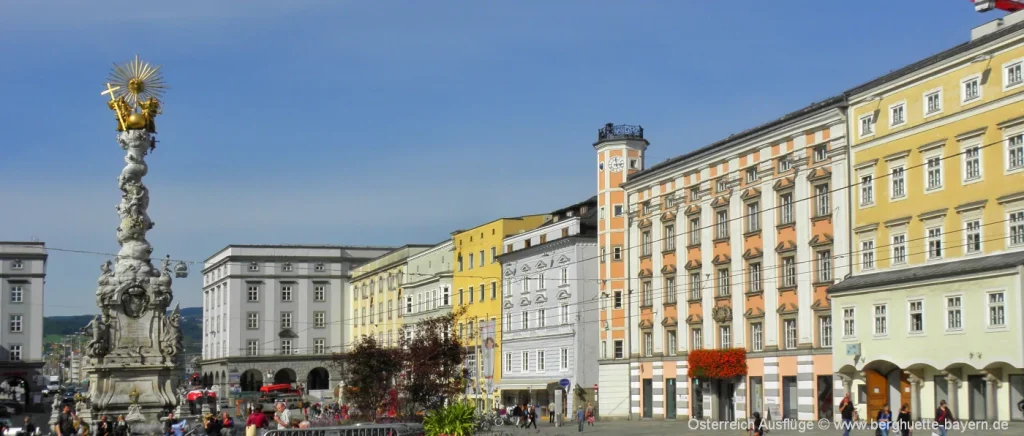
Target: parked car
[18,407]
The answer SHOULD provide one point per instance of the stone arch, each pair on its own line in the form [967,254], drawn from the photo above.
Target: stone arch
[285,375]
[318,378]
[251,380]
[887,384]
[12,381]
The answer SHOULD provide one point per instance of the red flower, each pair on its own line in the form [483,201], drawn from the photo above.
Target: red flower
[720,364]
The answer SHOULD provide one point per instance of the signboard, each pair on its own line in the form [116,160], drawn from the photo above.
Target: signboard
[853,349]
[773,408]
[683,398]
[564,382]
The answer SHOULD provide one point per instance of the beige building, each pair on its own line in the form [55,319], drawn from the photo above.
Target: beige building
[377,296]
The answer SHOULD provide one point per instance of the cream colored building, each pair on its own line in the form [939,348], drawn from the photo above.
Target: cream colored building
[378,298]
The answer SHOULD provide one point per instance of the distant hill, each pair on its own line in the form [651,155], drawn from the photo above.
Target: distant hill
[56,327]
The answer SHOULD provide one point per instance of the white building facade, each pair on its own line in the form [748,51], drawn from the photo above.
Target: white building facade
[549,306]
[22,277]
[273,313]
[428,286]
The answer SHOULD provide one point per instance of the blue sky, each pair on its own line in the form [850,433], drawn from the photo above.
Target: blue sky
[392,122]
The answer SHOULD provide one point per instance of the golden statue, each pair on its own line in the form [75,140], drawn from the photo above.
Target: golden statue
[134,89]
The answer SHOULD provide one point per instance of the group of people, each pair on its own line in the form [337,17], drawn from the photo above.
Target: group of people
[69,424]
[525,415]
[887,426]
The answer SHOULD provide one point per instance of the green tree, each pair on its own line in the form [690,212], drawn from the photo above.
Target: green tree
[369,372]
[432,357]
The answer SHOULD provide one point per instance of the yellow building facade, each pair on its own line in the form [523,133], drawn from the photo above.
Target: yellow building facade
[377,296]
[476,283]
[932,310]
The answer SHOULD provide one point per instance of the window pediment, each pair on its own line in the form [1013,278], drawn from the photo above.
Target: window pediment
[693,264]
[753,253]
[669,321]
[644,223]
[821,240]
[644,273]
[720,201]
[693,210]
[783,183]
[819,173]
[785,246]
[721,259]
[668,269]
[695,320]
[668,216]
[751,193]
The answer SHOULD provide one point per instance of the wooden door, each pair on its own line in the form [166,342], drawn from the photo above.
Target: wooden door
[878,393]
[904,394]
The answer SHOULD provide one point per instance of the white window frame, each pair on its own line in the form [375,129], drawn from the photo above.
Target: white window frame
[751,174]
[286,320]
[618,349]
[671,341]
[17,324]
[724,337]
[822,200]
[867,254]
[868,121]
[930,234]
[319,346]
[977,236]
[563,314]
[648,344]
[617,210]
[508,363]
[1006,77]
[989,306]
[897,177]
[824,266]
[286,346]
[1009,135]
[19,292]
[15,353]
[911,310]
[880,319]
[756,336]
[867,189]
[253,293]
[541,364]
[927,172]
[849,322]
[1015,228]
[319,293]
[825,331]
[964,100]
[899,249]
[785,163]
[924,102]
[948,309]
[790,341]
[252,322]
[965,162]
[252,347]
[524,320]
[753,216]
[286,293]
[564,358]
[903,105]
[696,339]
[821,151]
[319,319]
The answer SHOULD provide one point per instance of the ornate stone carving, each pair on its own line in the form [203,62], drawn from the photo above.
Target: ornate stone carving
[722,314]
[100,343]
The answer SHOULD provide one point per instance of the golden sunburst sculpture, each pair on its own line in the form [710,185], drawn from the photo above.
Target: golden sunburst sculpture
[135,89]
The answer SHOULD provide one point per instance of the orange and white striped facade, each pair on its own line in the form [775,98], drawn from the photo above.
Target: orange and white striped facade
[728,246]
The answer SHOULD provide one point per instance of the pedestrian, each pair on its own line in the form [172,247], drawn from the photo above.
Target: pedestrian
[517,414]
[943,417]
[28,429]
[848,413]
[227,424]
[533,418]
[256,422]
[120,428]
[756,430]
[590,414]
[551,413]
[903,420]
[884,419]
[283,416]
[66,422]
[104,427]
[579,418]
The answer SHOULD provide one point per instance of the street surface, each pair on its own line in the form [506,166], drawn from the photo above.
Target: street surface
[669,427]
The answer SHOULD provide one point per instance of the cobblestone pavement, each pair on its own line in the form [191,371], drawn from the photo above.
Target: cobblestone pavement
[707,428]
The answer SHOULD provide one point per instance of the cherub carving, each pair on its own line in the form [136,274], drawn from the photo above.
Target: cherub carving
[150,109]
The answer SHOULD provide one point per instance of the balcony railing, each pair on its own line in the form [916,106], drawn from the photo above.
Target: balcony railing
[622,131]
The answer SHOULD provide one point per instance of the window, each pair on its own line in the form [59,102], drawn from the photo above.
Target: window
[785,164]
[867,125]
[319,267]
[789,326]
[459,260]
[252,348]
[390,308]
[954,314]
[934,174]
[253,320]
[1015,152]
[319,346]
[898,185]
[897,114]
[1012,74]
[722,185]
[788,271]
[17,264]
[648,344]
[647,208]
[409,304]
[695,231]
[824,266]
[564,313]
[461,295]
[524,320]
[508,320]
[254,293]
[525,366]
[724,337]
[756,336]
[935,243]
[825,331]
[645,294]
[754,277]
[540,361]
[970,89]
[616,253]
[494,290]
[541,317]
[753,217]
[319,293]
[471,263]
[671,343]
[721,224]
[933,102]
[867,188]
[881,321]
[899,249]
[286,346]
[618,349]
[372,318]
[286,293]
[849,322]
[481,258]
[996,310]
[617,303]
[670,289]
[603,254]
[751,174]
[670,237]
[14,352]
[972,164]
[565,276]
[821,151]
[646,239]
[16,321]
[446,296]
[916,311]
[786,208]
[1017,228]
[483,289]
[565,359]
[694,194]
[604,349]
[494,254]
[18,293]
[821,200]
[695,286]
[972,232]
[508,362]
[867,255]
[617,210]
[286,320]
[723,282]
[253,266]
[319,320]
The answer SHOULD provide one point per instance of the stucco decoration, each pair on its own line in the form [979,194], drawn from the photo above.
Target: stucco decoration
[722,314]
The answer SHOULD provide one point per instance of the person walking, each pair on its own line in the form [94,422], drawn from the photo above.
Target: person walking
[756,430]
[66,422]
[590,414]
[943,417]
[121,428]
[551,413]
[848,413]
[884,419]
[533,418]
[903,420]
[579,418]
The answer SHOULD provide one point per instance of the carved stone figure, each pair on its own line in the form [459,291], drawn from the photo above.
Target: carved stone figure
[172,341]
[100,344]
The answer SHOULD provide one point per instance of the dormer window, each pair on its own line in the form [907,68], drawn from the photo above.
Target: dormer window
[319,267]
[253,266]
[17,264]
[286,267]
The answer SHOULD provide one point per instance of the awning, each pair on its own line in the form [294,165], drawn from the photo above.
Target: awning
[525,384]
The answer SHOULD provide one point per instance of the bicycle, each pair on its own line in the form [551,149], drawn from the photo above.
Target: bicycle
[484,423]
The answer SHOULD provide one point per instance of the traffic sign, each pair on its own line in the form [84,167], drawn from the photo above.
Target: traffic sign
[564,382]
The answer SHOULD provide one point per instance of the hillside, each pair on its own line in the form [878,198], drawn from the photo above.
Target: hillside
[56,327]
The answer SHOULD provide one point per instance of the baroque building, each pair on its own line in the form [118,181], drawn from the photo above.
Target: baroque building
[549,305]
[275,313]
[377,296]
[476,279]
[933,309]
[428,285]
[728,247]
